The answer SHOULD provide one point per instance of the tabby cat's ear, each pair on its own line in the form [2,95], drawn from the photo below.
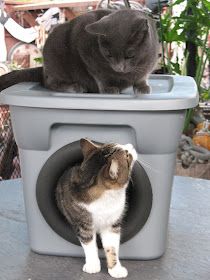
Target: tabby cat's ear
[99,27]
[87,146]
[113,169]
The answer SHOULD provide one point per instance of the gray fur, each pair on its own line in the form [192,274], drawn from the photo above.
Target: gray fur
[101,51]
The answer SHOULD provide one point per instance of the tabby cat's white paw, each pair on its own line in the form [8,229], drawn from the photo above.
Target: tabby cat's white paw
[118,271]
[92,267]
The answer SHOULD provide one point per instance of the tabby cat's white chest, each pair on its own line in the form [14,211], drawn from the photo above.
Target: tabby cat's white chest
[107,209]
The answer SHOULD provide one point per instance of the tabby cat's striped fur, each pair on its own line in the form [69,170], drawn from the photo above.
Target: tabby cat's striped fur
[92,197]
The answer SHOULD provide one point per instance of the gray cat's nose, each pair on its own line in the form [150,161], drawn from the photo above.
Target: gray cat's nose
[120,67]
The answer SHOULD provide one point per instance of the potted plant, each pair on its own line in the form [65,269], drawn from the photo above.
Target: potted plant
[181,36]
[184,32]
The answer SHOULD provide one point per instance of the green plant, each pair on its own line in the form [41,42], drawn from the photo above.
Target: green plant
[39,60]
[14,66]
[190,27]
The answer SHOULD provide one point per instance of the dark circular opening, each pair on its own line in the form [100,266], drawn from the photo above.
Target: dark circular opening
[139,195]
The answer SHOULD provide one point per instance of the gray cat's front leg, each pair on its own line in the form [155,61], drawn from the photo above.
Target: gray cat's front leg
[111,90]
[141,87]
[65,87]
[73,88]
[92,262]
[107,89]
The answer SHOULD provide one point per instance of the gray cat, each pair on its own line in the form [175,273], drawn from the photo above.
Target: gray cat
[101,51]
[92,197]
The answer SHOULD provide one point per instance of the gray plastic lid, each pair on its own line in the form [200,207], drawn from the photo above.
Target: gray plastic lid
[168,93]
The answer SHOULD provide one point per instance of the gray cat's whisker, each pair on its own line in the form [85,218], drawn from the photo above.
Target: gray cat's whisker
[139,70]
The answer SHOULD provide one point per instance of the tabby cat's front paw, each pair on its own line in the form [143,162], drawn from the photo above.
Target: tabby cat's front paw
[142,89]
[92,267]
[118,271]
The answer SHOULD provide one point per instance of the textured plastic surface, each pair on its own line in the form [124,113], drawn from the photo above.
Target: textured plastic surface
[168,93]
[44,122]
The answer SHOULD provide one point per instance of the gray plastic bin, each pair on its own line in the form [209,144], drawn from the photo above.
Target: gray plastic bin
[47,126]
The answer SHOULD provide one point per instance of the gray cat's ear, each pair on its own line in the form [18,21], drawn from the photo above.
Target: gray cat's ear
[139,28]
[140,24]
[98,27]
[113,169]
[87,146]
[145,24]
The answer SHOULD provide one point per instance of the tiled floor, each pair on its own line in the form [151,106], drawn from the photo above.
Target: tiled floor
[187,256]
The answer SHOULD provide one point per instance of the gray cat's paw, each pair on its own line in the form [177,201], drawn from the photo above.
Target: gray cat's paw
[145,89]
[118,271]
[75,88]
[111,90]
[92,267]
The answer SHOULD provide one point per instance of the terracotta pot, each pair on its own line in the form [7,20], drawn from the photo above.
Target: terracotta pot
[202,140]
[201,125]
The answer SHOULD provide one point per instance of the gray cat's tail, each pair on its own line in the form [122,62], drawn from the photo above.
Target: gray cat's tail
[18,76]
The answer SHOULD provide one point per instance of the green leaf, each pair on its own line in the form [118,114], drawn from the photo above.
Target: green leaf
[39,60]
[177,2]
[206,4]
[176,68]
[205,94]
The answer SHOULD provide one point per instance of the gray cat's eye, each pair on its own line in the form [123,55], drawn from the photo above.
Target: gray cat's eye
[107,53]
[130,54]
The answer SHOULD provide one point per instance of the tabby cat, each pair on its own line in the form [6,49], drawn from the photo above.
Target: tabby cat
[101,51]
[92,197]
